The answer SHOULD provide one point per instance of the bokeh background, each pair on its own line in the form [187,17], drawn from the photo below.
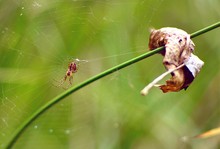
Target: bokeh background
[38,38]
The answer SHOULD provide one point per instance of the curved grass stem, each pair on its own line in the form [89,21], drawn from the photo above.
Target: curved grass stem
[73,89]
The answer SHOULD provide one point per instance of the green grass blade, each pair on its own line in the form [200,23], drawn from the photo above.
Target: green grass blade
[73,89]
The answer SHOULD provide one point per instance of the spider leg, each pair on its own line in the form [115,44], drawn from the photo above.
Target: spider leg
[70,80]
[65,77]
[61,82]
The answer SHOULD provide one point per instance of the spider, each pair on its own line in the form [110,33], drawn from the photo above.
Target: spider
[72,68]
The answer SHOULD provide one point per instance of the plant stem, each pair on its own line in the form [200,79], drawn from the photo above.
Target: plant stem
[204,30]
[41,110]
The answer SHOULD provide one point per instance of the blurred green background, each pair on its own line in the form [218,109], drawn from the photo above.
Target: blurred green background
[38,38]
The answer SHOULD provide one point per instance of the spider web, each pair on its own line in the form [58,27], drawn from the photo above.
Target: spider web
[40,38]
[37,47]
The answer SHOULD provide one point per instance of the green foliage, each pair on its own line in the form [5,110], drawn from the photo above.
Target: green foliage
[39,37]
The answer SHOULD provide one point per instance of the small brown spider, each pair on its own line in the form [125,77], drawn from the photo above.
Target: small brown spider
[72,68]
